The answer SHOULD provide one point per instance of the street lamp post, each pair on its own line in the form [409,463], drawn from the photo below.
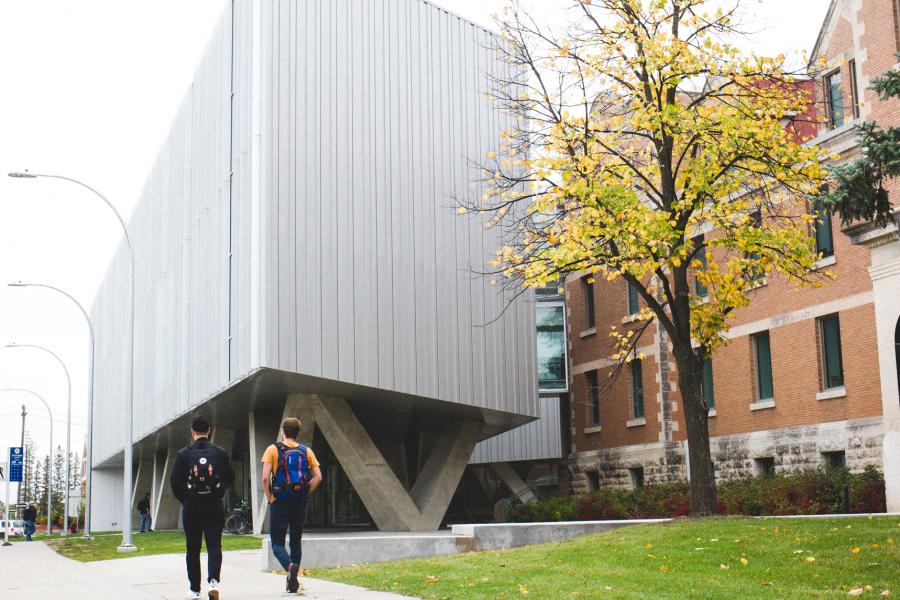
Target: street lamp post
[50,462]
[127,478]
[90,415]
[68,428]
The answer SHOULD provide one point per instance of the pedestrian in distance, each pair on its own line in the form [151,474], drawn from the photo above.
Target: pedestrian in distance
[200,476]
[290,474]
[144,510]
[29,515]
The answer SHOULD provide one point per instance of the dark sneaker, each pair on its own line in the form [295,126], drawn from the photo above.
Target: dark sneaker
[293,584]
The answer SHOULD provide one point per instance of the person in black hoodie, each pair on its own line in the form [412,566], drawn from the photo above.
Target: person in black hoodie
[200,476]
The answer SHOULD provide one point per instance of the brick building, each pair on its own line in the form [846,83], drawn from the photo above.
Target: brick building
[808,376]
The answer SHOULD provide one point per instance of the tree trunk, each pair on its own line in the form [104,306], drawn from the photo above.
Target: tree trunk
[696,417]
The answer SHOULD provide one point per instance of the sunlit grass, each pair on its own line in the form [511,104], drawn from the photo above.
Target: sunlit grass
[705,558]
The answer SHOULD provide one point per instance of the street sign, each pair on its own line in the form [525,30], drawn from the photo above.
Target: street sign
[16,464]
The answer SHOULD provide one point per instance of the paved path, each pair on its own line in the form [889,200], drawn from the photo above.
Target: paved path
[30,571]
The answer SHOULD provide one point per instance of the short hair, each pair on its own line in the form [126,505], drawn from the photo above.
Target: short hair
[200,424]
[291,427]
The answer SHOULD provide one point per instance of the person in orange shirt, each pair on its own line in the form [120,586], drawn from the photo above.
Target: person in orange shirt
[290,474]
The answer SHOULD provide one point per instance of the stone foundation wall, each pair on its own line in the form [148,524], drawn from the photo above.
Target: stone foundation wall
[792,449]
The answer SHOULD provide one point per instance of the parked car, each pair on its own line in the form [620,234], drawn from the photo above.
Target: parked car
[16,528]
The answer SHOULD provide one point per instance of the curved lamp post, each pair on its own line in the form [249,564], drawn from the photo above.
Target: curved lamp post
[68,428]
[49,488]
[127,479]
[90,415]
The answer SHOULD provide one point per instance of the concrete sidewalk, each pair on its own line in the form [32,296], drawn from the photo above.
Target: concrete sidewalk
[30,571]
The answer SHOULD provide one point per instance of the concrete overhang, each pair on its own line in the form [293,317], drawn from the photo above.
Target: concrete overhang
[266,389]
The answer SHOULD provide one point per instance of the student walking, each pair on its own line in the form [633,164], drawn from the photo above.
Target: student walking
[200,476]
[144,510]
[290,474]
[29,516]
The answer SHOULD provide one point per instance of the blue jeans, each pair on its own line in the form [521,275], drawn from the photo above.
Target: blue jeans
[287,517]
[146,522]
[29,529]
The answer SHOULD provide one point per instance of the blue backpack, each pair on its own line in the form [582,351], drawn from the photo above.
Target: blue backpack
[291,475]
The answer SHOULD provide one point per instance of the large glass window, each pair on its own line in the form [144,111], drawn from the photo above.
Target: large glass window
[830,352]
[824,238]
[588,286]
[763,366]
[593,396]
[706,384]
[637,389]
[551,346]
[834,100]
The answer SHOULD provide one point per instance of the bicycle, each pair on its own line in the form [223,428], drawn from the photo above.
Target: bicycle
[240,520]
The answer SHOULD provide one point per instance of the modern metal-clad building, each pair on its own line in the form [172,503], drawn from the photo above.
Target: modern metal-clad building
[298,253]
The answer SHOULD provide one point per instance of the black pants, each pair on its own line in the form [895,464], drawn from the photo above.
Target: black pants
[203,518]
[287,517]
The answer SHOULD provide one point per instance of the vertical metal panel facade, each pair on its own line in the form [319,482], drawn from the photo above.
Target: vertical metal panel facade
[301,216]
[537,440]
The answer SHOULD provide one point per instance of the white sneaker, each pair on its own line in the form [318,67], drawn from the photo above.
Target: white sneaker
[213,593]
[192,595]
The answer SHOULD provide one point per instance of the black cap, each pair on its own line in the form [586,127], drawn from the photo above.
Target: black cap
[200,424]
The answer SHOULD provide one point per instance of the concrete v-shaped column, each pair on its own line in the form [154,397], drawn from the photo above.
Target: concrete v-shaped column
[142,482]
[514,482]
[165,505]
[389,504]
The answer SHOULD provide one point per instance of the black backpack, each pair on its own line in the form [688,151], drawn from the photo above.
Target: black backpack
[203,471]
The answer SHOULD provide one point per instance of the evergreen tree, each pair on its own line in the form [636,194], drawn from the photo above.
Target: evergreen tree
[857,191]
[31,459]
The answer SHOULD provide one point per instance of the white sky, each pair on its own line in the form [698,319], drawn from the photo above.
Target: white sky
[88,90]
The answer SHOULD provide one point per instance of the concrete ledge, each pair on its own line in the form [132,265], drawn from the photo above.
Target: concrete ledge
[332,550]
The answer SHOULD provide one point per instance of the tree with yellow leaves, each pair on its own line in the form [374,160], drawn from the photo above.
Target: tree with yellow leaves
[650,148]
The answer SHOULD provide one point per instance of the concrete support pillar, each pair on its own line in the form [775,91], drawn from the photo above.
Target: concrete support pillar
[263,431]
[514,482]
[166,508]
[143,482]
[386,499]
[224,437]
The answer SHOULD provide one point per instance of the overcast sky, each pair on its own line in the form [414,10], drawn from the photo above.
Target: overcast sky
[89,90]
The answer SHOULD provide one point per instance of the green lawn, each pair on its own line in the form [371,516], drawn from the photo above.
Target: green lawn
[103,547]
[704,558]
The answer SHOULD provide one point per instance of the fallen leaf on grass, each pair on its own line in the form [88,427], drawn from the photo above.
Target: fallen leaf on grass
[723,566]
[431,579]
[664,568]
[744,561]
[810,559]
[886,593]
[855,550]
[856,592]
[523,590]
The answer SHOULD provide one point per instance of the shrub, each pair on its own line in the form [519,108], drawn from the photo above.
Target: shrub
[823,491]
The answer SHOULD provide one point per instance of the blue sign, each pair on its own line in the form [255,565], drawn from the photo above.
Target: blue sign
[16,464]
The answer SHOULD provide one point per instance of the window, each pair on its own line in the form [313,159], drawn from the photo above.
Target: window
[754,272]
[637,477]
[700,257]
[588,284]
[824,239]
[593,394]
[637,389]
[707,384]
[835,460]
[593,481]
[551,346]
[765,466]
[834,101]
[762,356]
[830,352]
[854,90]
[633,300]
